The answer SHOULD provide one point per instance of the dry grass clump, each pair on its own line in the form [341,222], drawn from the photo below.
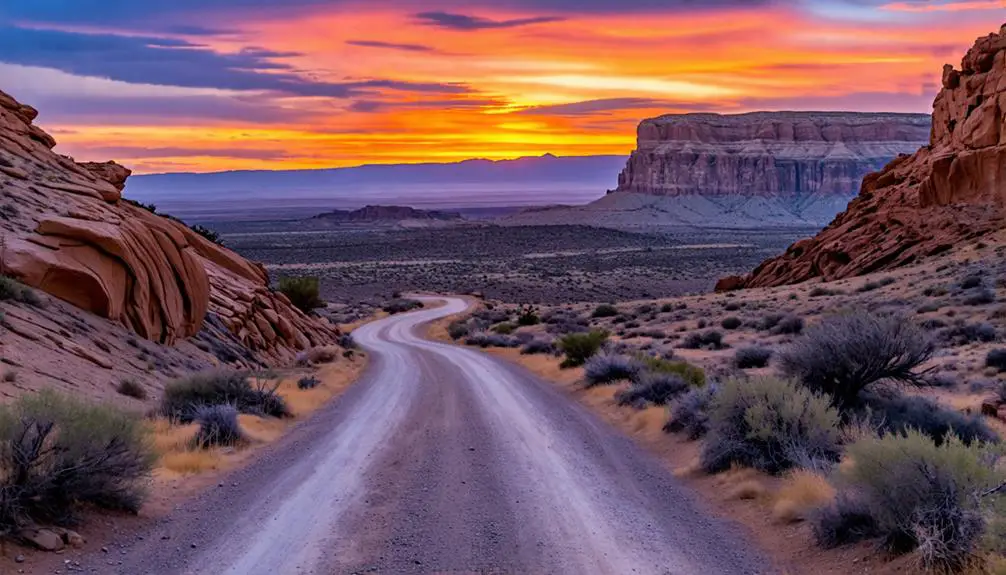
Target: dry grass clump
[802,492]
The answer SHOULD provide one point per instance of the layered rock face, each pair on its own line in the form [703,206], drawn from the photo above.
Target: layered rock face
[68,231]
[949,192]
[794,155]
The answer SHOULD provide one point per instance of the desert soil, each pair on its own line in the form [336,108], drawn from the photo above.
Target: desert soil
[442,459]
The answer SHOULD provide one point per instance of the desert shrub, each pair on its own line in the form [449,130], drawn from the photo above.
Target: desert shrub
[934,291]
[13,290]
[692,374]
[731,322]
[922,496]
[769,424]
[711,339]
[655,388]
[844,354]
[972,281]
[57,453]
[789,324]
[579,347]
[184,397]
[690,412]
[752,357]
[876,284]
[980,297]
[131,388]
[928,308]
[537,346]
[308,382]
[604,310]
[504,328]
[666,308]
[996,358]
[485,340]
[822,291]
[218,425]
[402,305]
[208,234]
[303,292]
[846,521]
[604,368]
[527,315]
[458,329]
[770,321]
[900,413]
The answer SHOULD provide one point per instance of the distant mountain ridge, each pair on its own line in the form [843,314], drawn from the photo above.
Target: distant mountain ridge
[385,214]
[302,193]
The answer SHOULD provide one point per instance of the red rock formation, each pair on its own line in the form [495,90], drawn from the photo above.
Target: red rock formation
[68,232]
[949,192]
[768,154]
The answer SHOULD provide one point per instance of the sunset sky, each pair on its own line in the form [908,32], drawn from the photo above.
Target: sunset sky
[207,85]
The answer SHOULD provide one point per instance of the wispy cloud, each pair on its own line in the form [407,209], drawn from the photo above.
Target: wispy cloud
[467,23]
[390,45]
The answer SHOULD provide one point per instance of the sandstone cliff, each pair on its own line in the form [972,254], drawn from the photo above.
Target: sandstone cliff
[67,231]
[791,154]
[949,192]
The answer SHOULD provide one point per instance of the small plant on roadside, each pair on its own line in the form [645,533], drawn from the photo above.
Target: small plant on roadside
[653,388]
[184,397]
[218,425]
[579,347]
[303,292]
[769,424]
[538,346]
[58,453]
[606,368]
[690,412]
[131,388]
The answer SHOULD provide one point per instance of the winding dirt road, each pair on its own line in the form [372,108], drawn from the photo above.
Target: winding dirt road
[442,460]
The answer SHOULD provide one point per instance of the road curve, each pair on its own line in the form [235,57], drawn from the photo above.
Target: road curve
[442,459]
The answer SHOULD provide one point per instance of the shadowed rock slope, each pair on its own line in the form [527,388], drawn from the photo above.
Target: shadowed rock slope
[947,193]
[68,231]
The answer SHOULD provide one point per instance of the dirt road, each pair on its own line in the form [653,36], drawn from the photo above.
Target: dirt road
[442,460]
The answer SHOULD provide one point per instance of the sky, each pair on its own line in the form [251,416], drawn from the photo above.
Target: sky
[210,85]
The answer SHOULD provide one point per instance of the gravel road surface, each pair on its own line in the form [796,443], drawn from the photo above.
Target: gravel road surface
[442,460]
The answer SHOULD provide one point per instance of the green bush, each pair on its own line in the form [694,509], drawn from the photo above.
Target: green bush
[604,310]
[57,453]
[579,347]
[732,322]
[845,354]
[769,424]
[303,292]
[527,315]
[924,497]
[752,357]
[183,398]
[131,388]
[692,374]
[504,328]
[458,329]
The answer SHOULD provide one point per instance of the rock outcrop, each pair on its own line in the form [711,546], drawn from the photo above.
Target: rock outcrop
[371,214]
[67,231]
[949,192]
[796,155]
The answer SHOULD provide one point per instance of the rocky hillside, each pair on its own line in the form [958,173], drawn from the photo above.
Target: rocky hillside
[68,231]
[945,194]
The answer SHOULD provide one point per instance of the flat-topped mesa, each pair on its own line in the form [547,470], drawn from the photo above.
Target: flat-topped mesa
[67,231]
[771,154]
[949,192]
